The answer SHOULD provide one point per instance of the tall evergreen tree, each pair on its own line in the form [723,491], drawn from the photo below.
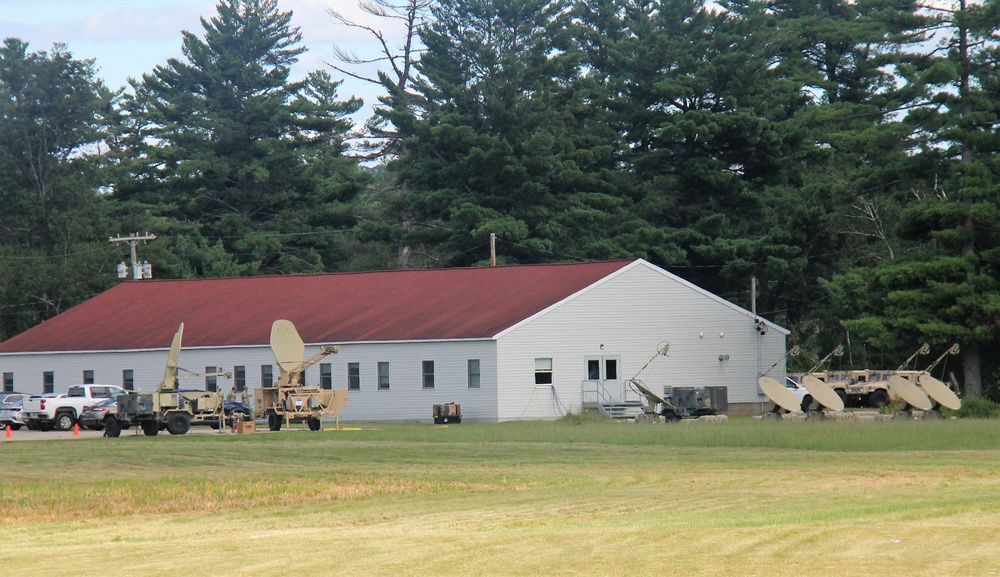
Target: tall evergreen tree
[53,221]
[224,139]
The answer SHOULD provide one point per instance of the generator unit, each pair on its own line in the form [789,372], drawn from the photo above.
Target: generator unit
[690,402]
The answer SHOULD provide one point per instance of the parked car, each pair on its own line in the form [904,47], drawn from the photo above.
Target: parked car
[231,407]
[5,394]
[234,410]
[61,412]
[10,411]
[92,417]
[801,393]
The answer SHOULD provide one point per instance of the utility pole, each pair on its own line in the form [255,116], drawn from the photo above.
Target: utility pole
[493,249]
[139,271]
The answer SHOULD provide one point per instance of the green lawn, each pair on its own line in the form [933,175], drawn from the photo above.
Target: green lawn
[736,498]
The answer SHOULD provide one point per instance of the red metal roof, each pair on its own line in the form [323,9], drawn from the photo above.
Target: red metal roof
[402,305]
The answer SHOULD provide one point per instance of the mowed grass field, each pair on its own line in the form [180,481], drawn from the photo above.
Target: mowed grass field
[557,498]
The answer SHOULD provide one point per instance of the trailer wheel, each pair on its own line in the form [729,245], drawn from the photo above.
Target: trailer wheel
[274,421]
[150,428]
[65,421]
[178,424]
[314,423]
[809,404]
[878,398]
[112,427]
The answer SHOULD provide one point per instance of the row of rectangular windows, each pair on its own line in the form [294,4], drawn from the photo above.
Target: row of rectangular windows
[267,377]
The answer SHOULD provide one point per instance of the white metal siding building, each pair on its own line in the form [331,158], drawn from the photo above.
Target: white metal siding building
[506,343]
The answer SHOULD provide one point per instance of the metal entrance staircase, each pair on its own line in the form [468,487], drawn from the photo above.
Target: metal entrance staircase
[597,399]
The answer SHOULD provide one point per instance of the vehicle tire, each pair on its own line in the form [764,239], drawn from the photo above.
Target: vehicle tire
[44,426]
[112,427]
[274,421]
[150,428]
[809,404]
[842,395]
[878,398]
[3,426]
[237,416]
[178,424]
[32,425]
[670,415]
[314,423]
[65,421]
[15,427]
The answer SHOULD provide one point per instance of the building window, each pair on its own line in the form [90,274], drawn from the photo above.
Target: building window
[240,377]
[88,377]
[428,372]
[8,382]
[48,382]
[353,376]
[383,376]
[543,371]
[473,373]
[593,370]
[266,376]
[128,380]
[211,381]
[325,375]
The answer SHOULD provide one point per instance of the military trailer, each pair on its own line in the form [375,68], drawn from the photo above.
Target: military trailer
[291,401]
[169,407]
[694,402]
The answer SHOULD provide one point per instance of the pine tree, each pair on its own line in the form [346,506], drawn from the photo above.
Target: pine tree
[225,139]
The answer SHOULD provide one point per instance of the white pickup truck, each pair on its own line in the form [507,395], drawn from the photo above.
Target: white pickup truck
[45,413]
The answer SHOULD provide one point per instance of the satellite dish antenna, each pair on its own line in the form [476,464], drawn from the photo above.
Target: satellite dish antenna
[778,394]
[939,391]
[823,393]
[170,372]
[287,345]
[909,392]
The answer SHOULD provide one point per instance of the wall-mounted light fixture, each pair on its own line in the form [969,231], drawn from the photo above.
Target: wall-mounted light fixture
[723,358]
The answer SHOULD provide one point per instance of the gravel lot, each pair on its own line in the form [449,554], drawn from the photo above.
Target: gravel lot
[25,435]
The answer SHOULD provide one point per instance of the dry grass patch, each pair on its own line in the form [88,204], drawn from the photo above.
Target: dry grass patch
[532,500]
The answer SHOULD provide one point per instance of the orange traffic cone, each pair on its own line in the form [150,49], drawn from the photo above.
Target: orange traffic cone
[76,430]
[10,435]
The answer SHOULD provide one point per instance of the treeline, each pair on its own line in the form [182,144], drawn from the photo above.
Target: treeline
[842,153]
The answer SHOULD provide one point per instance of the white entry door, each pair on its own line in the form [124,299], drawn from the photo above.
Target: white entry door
[603,371]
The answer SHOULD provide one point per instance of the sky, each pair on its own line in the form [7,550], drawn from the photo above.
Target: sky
[128,38]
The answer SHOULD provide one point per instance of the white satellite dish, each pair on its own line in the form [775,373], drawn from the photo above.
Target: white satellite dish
[778,394]
[823,393]
[939,391]
[909,392]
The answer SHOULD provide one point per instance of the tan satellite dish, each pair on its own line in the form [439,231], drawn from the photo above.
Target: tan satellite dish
[823,393]
[287,345]
[170,373]
[778,394]
[909,392]
[939,391]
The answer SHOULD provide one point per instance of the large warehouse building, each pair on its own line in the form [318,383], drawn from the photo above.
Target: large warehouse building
[506,343]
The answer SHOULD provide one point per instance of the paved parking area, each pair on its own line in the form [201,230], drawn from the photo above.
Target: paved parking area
[25,435]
